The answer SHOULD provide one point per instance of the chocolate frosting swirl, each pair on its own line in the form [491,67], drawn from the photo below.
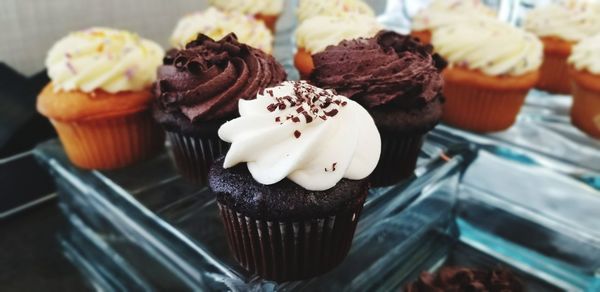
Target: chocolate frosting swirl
[455,279]
[389,68]
[205,80]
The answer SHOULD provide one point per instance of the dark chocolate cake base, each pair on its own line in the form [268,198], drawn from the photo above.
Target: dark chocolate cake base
[283,232]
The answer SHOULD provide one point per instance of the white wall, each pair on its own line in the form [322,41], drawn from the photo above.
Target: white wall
[29,27]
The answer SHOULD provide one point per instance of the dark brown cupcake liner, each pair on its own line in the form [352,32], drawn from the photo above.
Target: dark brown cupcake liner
[398,158]
[194,155]
[288,251]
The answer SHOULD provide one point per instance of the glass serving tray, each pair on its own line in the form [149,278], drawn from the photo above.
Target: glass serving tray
[166,233]
[144,227]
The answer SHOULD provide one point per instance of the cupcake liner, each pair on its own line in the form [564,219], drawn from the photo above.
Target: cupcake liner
[288,251]
[480,109]
[194,155]
[109,143]
[585,112]
[303,63]
[554,72]
[424,36]
[399,154]
[269,20]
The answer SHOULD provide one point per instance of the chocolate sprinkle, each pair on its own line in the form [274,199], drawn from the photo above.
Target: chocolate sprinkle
[309,102]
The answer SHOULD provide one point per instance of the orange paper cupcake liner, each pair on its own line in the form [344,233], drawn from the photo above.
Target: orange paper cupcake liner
[269,20]
[304,63]
[554,70]
[481,103]
[424,36]
[109,143]
[481,110]
[585,112]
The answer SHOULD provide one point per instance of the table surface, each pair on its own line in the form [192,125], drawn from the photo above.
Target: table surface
[32,259]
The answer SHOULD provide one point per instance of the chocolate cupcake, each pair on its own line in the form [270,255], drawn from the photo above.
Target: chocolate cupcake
[291,188]
[197,90]
[455,279]
[398,80]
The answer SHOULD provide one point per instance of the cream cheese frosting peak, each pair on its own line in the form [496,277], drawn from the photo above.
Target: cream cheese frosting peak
[569,20]
[312,136]
[444,12]
[265,7]
[490,46]
[217,24]
[316,33]
[311,8]
[103,58]
[586,55]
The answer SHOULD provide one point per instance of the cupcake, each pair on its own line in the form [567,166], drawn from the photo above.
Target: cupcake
[316,33]
[216,24]
[291,188]
[398,80]
[560,26]
[585,81]
[466,279]
[492,67]
[197,90]
[267,11]
[441,13]
[338,8]
[99,97]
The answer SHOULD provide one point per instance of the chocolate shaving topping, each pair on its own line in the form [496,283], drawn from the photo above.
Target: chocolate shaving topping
[307,103]
[297,134]
[454,279]
[331,113]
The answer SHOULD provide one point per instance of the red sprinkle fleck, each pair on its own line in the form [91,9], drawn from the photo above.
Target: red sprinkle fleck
[297,134]
[333,166]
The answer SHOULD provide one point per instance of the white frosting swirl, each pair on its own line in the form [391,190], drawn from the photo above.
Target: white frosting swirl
[490,46]
[586,55]
[217,24]
[305,133]
[310,8]
[570,20]
[316,33]
[265,7]
[103,58]
[444,12]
